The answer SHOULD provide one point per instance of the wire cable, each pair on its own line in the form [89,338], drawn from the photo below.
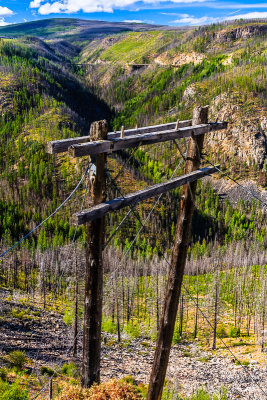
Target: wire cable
[183,155]
[76,228]
[56,370]
[142,227]
[210,324]
[225,345]
[68,254]
[237,183]
[50,216]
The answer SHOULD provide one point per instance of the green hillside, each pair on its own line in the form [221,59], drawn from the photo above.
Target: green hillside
[44,28]
[40,101]
[70,28]
[45,95]
[56,77]
[160,76]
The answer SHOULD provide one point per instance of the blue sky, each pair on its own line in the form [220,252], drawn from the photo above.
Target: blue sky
[175,12]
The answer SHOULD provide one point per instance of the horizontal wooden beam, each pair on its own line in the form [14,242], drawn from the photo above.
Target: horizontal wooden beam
[108,146]
[133,198]
[60,146]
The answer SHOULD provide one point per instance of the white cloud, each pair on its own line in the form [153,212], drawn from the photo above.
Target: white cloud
[73,6]
[5,11]
[35,3]
[236,5]
[191,20]
[251,15]
[133,21]
[205,20]
[3,22]
[176,14]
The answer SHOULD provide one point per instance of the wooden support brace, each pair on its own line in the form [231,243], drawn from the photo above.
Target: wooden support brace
[60,146]
[133,198]
[107,146]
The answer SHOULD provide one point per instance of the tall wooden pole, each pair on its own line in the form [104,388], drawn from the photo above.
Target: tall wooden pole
[178,260]
[94,269]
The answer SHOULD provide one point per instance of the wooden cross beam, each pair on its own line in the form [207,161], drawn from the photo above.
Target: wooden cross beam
[101,209]
[60,146]
[107,146]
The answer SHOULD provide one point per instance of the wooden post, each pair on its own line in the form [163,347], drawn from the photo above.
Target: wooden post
[94,269]
[178,261]
[76,289]
[51,389]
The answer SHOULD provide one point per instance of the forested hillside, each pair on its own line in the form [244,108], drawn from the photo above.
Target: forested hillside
[54,81]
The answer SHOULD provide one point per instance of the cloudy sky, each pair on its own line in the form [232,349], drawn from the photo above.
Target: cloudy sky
[166,12]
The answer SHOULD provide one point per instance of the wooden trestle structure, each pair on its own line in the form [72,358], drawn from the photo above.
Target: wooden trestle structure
[98,144]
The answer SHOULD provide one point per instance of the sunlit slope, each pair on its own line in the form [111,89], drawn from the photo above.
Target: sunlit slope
[40,100]
[159,76]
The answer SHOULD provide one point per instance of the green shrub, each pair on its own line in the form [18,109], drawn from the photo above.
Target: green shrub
[47,371]
[17,359]
[129,379]
[238,362]
[21,313]
[68,316]
[234,332]
[176,336]
[132,330]
[12,392]
[202,394]
[221,332]
[70,369]
[3,374]
[109,326]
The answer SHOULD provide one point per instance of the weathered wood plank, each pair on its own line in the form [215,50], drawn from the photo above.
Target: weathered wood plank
[106,146]
[133,198]
[60,146]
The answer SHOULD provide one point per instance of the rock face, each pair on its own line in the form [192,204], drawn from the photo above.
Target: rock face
[189,93]
[246,134]
[242,32]
[180,58]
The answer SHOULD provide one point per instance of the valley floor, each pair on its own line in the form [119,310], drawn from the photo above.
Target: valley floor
[48,340]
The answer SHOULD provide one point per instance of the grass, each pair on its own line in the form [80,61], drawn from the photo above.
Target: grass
[135,46]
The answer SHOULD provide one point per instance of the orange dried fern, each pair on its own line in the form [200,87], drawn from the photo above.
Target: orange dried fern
[111,390]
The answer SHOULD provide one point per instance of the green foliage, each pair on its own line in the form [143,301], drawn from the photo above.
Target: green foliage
[221,331]
[17,359]
[234,332]
[47,371]
[109,326]
[245,363]
[70,369]
[43,104]
[12,391]
[133,329]
[203,394]
[68,316]
[3,374]
[176,335]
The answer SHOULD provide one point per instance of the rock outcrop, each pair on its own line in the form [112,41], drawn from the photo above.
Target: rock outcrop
[246,134]
[241,32]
